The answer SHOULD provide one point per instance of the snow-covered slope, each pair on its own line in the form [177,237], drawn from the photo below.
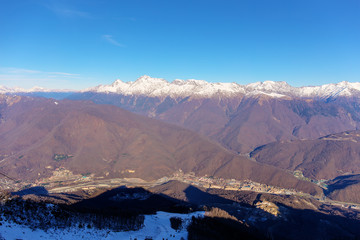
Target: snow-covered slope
[157,87]
[331,90]
[155,227]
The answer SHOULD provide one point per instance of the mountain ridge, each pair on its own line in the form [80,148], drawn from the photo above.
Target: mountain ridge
[157,87]
[327,157]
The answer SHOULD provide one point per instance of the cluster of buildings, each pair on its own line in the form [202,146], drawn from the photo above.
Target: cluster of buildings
[229,184]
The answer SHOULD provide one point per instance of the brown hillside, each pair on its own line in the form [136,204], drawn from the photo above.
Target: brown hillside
[323,158]
[39,135]
[345,189]
[243,123]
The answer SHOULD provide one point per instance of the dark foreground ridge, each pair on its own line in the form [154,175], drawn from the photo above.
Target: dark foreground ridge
[229,214]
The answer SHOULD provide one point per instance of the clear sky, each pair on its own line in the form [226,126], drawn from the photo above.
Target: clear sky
[82,43]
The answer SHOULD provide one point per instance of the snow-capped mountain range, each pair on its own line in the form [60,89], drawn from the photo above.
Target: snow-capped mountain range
[157,87]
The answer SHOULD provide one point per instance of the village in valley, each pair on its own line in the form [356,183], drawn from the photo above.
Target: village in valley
[65,181]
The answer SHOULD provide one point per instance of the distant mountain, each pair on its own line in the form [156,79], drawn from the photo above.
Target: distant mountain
[38,135]
[241,118]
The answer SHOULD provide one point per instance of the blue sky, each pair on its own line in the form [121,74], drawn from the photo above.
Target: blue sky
[81,43]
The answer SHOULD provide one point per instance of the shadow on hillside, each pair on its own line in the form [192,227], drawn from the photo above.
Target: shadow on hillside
[342,182]
[125,201]
[132,201]
[38,191]
[199,197]
[291,223]
[309,224]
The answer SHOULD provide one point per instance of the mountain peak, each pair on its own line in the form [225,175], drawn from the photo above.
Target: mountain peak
[271,87]
[148,79]
[117,82]
[268,83]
